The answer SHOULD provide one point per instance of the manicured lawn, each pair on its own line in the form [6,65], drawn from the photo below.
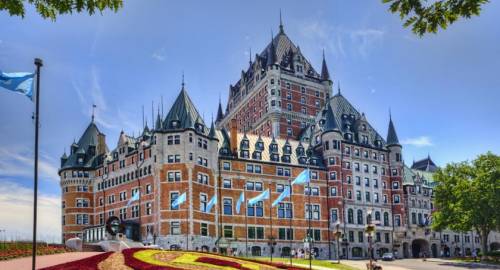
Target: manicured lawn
[305,262]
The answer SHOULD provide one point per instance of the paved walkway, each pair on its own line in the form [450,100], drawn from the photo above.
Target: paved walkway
[44,261]
[419,264]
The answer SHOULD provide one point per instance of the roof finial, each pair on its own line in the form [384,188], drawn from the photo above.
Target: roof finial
[93,112]
[338,87]
[281,23]
[183,80]
[390,114]
[250,56]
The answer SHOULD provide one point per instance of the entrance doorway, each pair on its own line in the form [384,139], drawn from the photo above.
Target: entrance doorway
[434,250]
[406,252]
[419,248]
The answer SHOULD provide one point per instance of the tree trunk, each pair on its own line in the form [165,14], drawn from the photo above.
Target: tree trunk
[484,242]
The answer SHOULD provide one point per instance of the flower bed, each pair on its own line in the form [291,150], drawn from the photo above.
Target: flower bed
[18,250]
[153,259]
[89,263]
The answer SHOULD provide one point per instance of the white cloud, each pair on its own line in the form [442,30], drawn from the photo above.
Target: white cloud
[421,141]
[340,41]
[365,39]
[18,161]
[16,212]
[160,55]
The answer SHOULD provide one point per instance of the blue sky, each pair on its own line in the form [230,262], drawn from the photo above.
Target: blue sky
[443,90]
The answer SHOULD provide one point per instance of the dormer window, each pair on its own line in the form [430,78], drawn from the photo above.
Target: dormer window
[287,150]
[260,146]
[245,144]
[285,158]
[257,155]
[275,157]
[175,123]
[245,154]
[273,147]
[363,127]
[80,160]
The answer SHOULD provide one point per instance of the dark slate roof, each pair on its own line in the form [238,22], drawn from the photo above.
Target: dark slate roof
[220,114]
[345,115]
[330,121]
[325,75]
[425,164]
[184,111]
[212,134]
[88,138]
[392,137]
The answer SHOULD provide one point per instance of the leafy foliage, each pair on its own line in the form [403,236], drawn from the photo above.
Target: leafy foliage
[52,8]
[428,18]
[467,196]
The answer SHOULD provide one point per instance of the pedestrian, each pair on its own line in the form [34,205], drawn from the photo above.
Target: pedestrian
[293,253]
[474,255]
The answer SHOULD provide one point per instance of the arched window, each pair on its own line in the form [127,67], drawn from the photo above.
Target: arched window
[350,216]
[360,216]
[386,219]
[368,219]
[377,216]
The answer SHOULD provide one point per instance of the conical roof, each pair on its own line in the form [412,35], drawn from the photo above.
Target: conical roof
[392,137]
[325,75]
[330,121]
[184,111]
[220,114]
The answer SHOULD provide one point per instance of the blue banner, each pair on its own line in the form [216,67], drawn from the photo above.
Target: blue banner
[20,82]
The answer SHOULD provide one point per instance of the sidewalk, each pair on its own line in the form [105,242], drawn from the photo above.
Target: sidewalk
[44,261]
[486,265]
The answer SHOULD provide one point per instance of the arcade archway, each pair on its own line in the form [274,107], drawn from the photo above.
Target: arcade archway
[419,248]
[406,252]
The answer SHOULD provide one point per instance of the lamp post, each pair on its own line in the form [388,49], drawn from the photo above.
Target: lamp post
[338,235]
[370,229]
[271,243]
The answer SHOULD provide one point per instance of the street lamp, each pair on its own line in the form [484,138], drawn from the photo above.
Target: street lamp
[338,235]
[370,229]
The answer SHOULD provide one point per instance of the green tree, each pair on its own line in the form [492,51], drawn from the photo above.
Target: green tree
[467,197]
[428,18]
[52,8]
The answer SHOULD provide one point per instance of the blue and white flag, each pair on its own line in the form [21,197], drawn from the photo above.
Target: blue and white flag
[303,177]
[239,202]
[283,195]
[211,203]
[134,198]
[263,196]
[180,200]
[20,82]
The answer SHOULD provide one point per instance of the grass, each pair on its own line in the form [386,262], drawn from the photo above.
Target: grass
[470,260]
[303,262]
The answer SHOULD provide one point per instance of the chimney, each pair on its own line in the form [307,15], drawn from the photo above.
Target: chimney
[234,136]
[101,143]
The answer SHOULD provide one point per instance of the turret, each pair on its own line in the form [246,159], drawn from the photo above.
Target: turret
[271,54]
[393,144]
[331,137]
[64,158]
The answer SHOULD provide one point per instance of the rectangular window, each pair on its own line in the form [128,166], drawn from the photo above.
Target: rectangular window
[173,197]
[202,178]
[314,215]
[334,215]
[135,211]
[228,206]
[175,227]
[203,202]
[285,234]
[316,234]
[228,231]
[285,210]
[227,183]
[149,208]
[204,229]
[226,166]
[174,176]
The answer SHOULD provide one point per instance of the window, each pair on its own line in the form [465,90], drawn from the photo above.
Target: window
[395,185]
[175,227]
[148,188]
[334,215]
[227,183]
[285,210]
[226,166]
[365,168]
[173,158]
[174,176]
[135,211]
[228,206]
[202,178]
[82,219]
[360,237]
[367,182]
[360,216]
[285,234]
[315,211]
[397,220]
[256,210]
[396,198]
[123,213]
[314,191]
[228,231]
[149,208]
[351,236]
[333,191]
[333,175]
[375,197]
[204,229]
[82,203]
[255,232]
[386,219]
[350,216]
[316,234]
[358,195]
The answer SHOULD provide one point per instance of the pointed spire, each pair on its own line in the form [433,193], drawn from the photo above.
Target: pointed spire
[182,88]
[281,24]
[325,75]
[158,120]
[330,121]
[271,54]
[220,114]
[212,134]
[338,89]
[392,137]
[250,56]
[93,112]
